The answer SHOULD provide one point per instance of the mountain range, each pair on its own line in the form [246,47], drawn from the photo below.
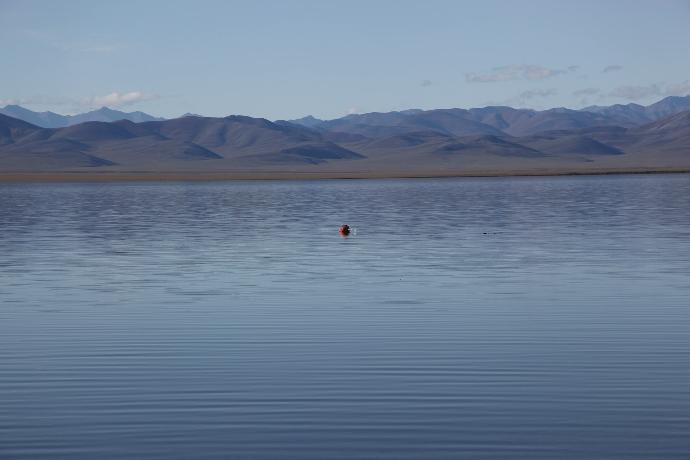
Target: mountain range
[55,120]
[499,120]
[489,140]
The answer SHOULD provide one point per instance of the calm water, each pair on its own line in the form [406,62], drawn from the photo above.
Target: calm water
[536,318]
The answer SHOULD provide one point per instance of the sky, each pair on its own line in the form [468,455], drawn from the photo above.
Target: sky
[286,59]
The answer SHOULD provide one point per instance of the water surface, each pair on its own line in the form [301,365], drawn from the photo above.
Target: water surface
[536,318]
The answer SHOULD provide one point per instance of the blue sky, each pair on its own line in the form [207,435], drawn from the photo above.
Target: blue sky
[287,59]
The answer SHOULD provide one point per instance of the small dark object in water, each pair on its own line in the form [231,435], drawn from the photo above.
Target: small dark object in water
[344,230]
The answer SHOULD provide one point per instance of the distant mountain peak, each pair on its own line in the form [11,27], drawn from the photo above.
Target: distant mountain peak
[54,120]
[636,114]
[309,121]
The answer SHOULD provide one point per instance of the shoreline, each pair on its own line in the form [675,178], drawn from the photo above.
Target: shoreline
[173,176]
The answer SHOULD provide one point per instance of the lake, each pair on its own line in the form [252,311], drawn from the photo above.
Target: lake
[487,318]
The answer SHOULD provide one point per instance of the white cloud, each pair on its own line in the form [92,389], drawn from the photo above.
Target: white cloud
[517,72]
[117,99]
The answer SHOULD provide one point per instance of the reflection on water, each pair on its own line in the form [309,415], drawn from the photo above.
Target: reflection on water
[540,318]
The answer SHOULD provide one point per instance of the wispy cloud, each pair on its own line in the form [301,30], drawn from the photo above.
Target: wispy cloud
[117,99]
[527,98]
[114,100]
[93,46]
[517,72]
[4,102]
[43,100]
[586,92]
[612,68]
[634,93]
[537,93]
[678,89]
